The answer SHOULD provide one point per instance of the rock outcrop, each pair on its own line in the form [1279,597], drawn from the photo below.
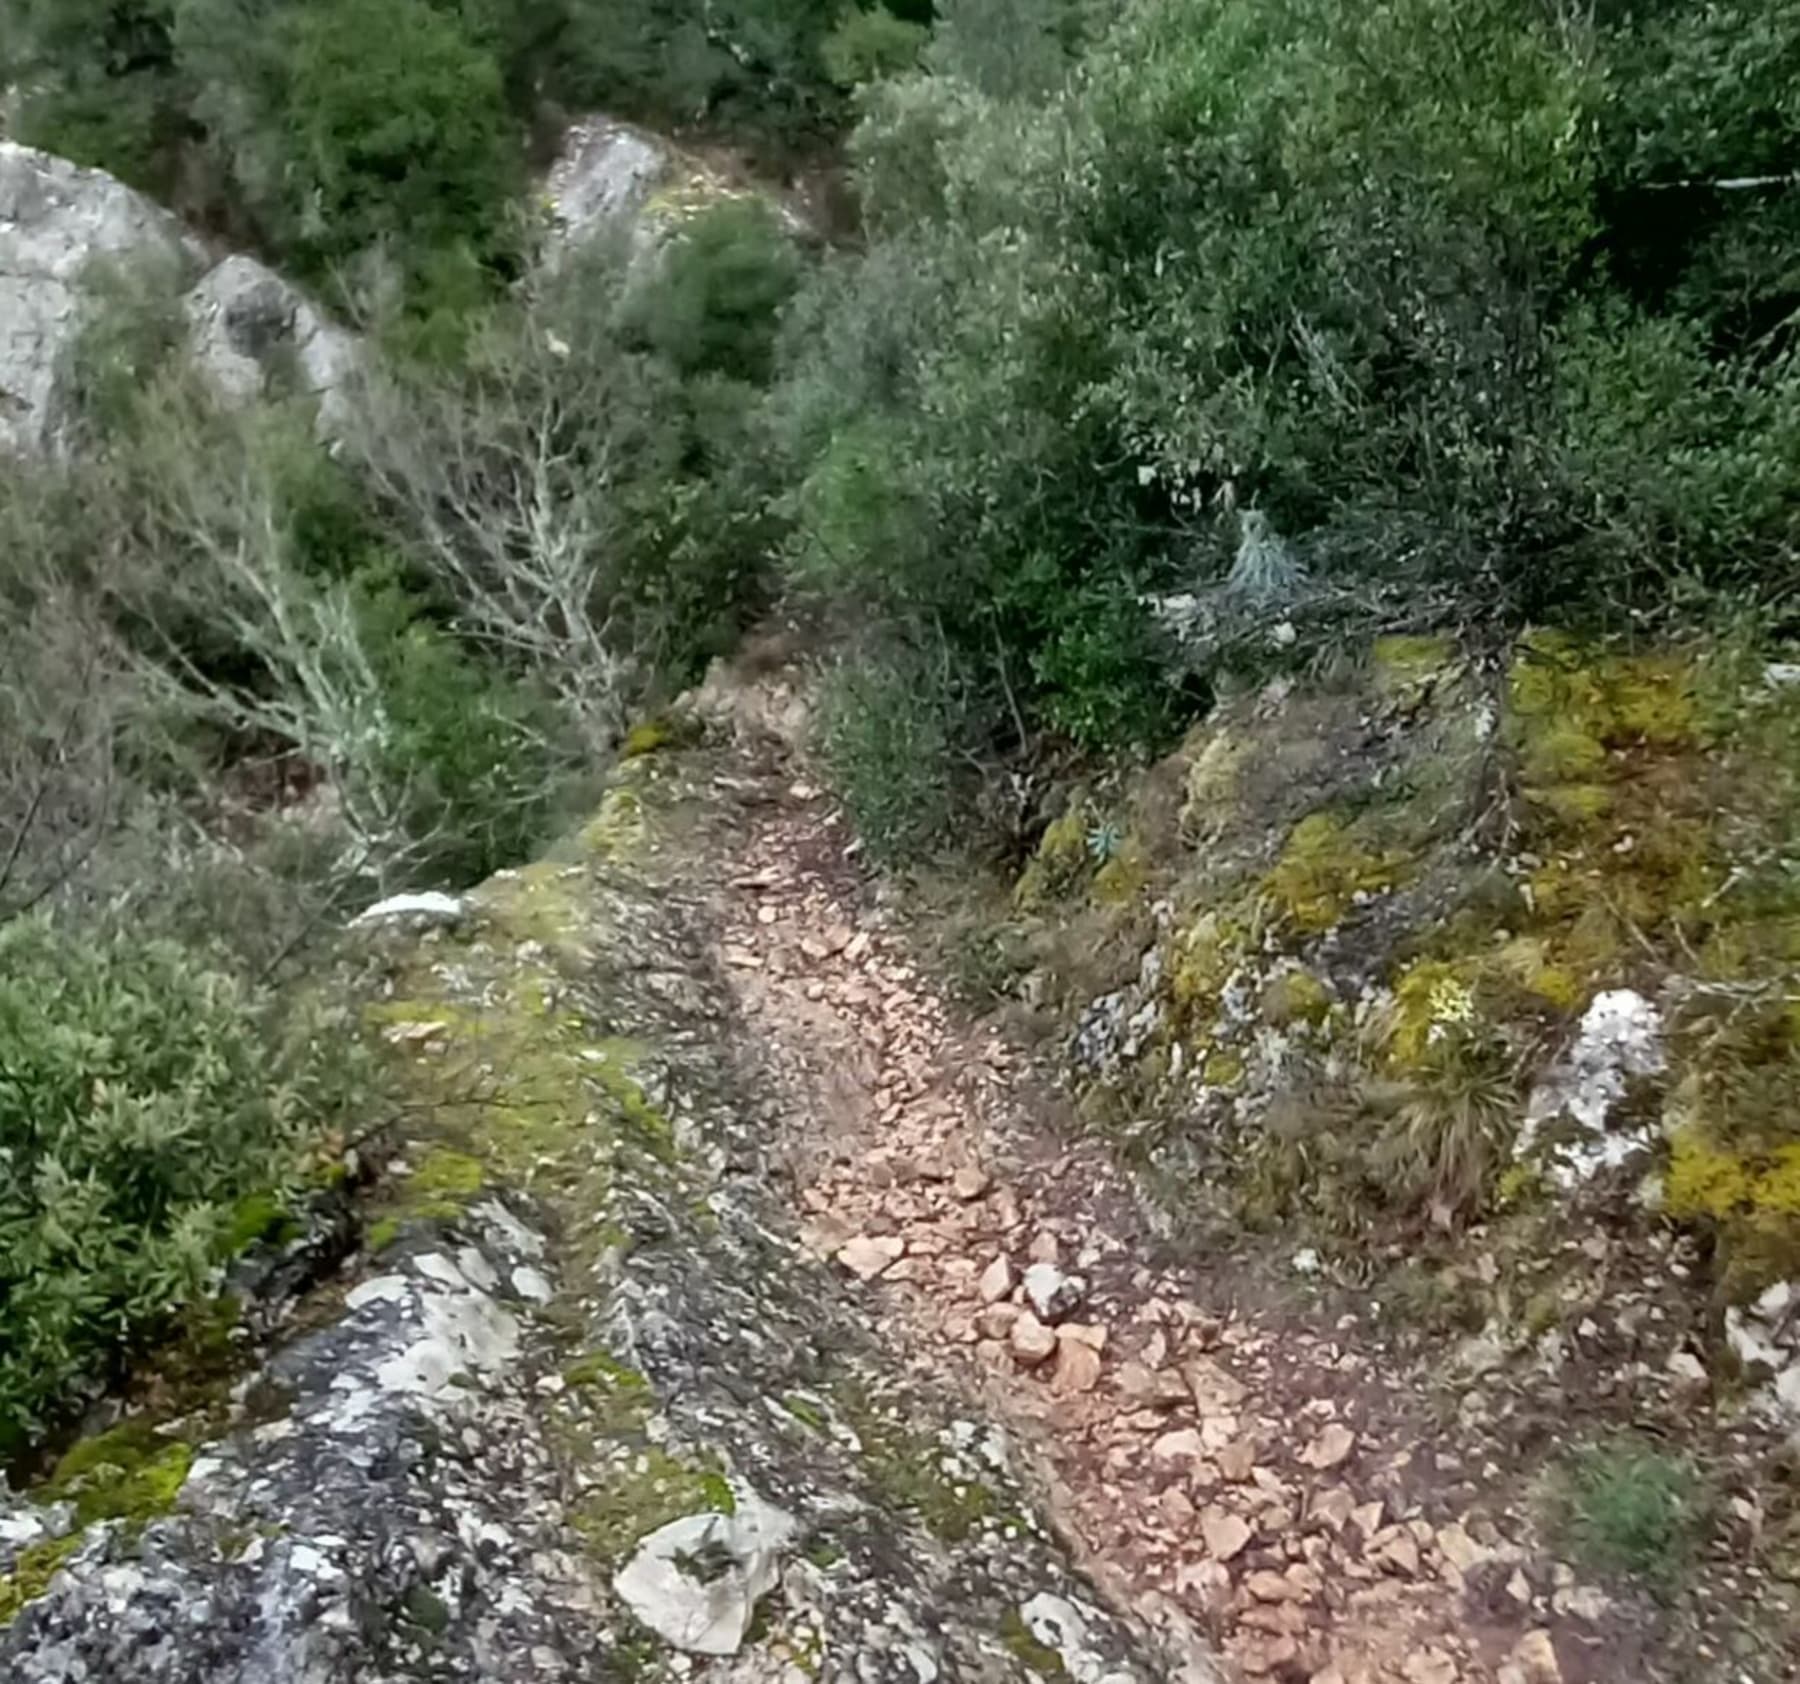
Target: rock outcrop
[1450,938]
[56,220]
[249,327]
[583,1406]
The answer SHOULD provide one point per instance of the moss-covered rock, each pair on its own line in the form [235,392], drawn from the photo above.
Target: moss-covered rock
[1061,861]
[1324,868]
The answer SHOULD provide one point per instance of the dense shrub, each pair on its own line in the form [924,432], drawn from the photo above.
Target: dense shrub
[394,129]
[325,129]
[744,66]
[481,762]
[591,493]
[142,1097]
[1479,311]
[888,733]
[869,43]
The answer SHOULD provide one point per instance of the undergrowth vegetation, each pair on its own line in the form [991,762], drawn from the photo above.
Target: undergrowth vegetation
[1274,322]
[1629,1509]
[143,1099]
[249,681]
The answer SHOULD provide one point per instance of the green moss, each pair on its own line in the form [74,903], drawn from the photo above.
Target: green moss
[1061,862]
[444,1183]
[1526,961]
[1223,1069]
[664,730]
[645,1125]
[30,1578]
[382,1233]
[1706,1181]
[1576,709]
[1406,667]
[1575,806]
[132,1473]
[908,1469]
[622,1400]
[1124,877]
[1519,1183]
[1034,1656]
[1430,996]
[261,1217]
[649,1491]
[1215,773]
[1295,997]
[1321,871]
[1204,956]
[618,829]
[423,1608]
[805,1411]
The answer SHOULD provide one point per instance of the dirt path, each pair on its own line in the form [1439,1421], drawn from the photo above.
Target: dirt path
[1268,1482]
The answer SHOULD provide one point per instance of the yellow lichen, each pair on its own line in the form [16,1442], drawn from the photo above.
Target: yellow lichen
[1123,878]
[1430,997]
[1223,1069]
[1322,870]
[1406,667]
[1060,862]
[1575,707]
[1212,784]
[1203,957]
[618,827]
[1296,997]
[1526,961]
[1704,1180]
[37,1565]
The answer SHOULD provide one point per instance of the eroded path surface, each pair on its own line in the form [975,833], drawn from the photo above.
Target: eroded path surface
[1264,1478]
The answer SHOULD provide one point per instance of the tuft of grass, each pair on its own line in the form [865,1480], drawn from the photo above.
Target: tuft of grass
[1629,1510]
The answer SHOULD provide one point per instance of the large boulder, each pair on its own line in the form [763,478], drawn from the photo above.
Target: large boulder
[56,220]
[249,327]
[611,180]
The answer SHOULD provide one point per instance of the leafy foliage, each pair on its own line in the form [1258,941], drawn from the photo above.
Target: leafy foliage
[141,1097]
[889,725]
[1471,309]
[868,44]
[394,125]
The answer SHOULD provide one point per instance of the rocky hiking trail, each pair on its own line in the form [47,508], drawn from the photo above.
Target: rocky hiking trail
[719,1302]
[1255,1471]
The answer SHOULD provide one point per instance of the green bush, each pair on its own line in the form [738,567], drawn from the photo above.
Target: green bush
[869,44]
[1478,313]
[394,131]
[100,84]
[142,1097]
[478,763]
[745,66]
[716,300]
[887,733]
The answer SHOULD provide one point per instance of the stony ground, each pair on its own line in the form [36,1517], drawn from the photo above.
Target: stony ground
[582,1399]
[1257,1467]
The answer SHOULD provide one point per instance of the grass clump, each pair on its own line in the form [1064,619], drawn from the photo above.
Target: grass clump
[1629,1510]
